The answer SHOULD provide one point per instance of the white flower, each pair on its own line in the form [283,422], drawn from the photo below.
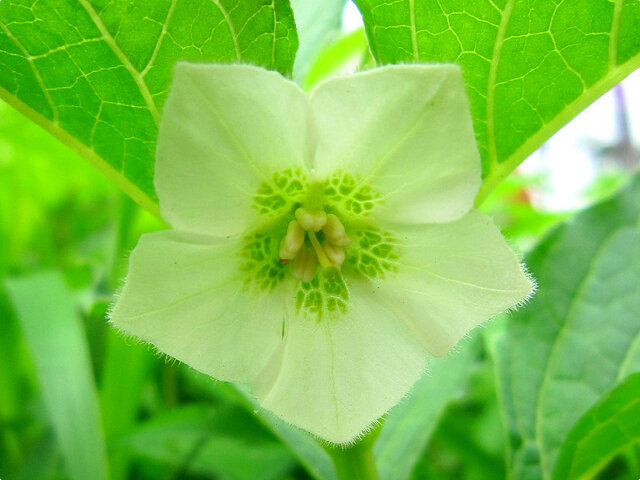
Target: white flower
[322,245]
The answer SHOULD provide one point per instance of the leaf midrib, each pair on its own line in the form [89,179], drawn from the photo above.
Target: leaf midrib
[135,74]
[232,29]
[36,73]
[599,88]
[85,152]
[597,466]
[163,32]
[491,86]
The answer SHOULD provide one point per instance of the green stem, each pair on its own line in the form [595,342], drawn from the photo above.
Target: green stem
[356,462]
[124,239]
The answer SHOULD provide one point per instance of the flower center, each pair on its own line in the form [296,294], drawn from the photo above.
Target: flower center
[314,237]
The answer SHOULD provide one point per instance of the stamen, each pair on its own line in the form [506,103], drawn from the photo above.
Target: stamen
[334,231]
[334,253]
[311,221]
[292,242]
[304,260]
[303,267]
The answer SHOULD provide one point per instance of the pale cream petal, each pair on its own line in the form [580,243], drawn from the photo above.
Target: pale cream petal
[188,298]
[336,376]
[452,277]
[405,131]
[225,131]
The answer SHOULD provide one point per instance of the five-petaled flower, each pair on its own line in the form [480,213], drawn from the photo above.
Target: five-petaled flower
[323,245]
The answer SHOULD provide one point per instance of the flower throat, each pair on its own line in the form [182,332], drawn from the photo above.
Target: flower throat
[313,238]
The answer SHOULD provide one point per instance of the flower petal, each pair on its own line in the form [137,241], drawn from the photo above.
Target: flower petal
[226,129]
[188,298]
[451,277]
[406,132]
[336,376]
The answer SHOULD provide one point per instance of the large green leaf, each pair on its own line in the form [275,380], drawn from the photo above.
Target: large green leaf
[607,428]
[408,427]
[579,336]
[530,65]
[55,338]
[95,73]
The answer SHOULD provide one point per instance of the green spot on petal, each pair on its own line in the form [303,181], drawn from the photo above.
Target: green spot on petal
[374,253]
[260,260]
[347,193]
[278,195]
[326,294]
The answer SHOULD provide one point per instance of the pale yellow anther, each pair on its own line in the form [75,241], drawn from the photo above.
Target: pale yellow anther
[334,253]
[311,220]
[303,267]
[292,242]
[334,231]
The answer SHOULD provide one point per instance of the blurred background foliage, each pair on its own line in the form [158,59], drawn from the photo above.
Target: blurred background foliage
[67,380]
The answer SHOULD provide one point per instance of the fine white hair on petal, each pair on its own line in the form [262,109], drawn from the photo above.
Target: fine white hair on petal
[402,137]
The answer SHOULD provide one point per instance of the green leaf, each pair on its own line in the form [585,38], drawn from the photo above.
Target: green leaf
[580,334]
[53,332]
[311,455]
[338,56]
[314,458]
[317,24]
[530,66]
[12,385]
[409,426]
[96,73]
[606,429]
[214,442]
[121,391]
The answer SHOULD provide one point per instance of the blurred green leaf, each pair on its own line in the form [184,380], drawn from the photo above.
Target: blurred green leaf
[607,428]
[222,443]
[52,330]
[580,334]
[317,23]
[43,460]
[511,207]
[12,387]
[95,74]
[54,207]
[315,458]
[530,66]
[408,427]
[126,372]
[340,56]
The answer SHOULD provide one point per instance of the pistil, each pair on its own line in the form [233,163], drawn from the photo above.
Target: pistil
[322,256]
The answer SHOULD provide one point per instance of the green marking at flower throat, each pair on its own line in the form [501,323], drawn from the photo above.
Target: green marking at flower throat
[371,253]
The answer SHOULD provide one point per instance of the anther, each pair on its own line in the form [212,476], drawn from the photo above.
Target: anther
[311,221]
[292,242]
[334,253]
[303,266]
[334,231]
